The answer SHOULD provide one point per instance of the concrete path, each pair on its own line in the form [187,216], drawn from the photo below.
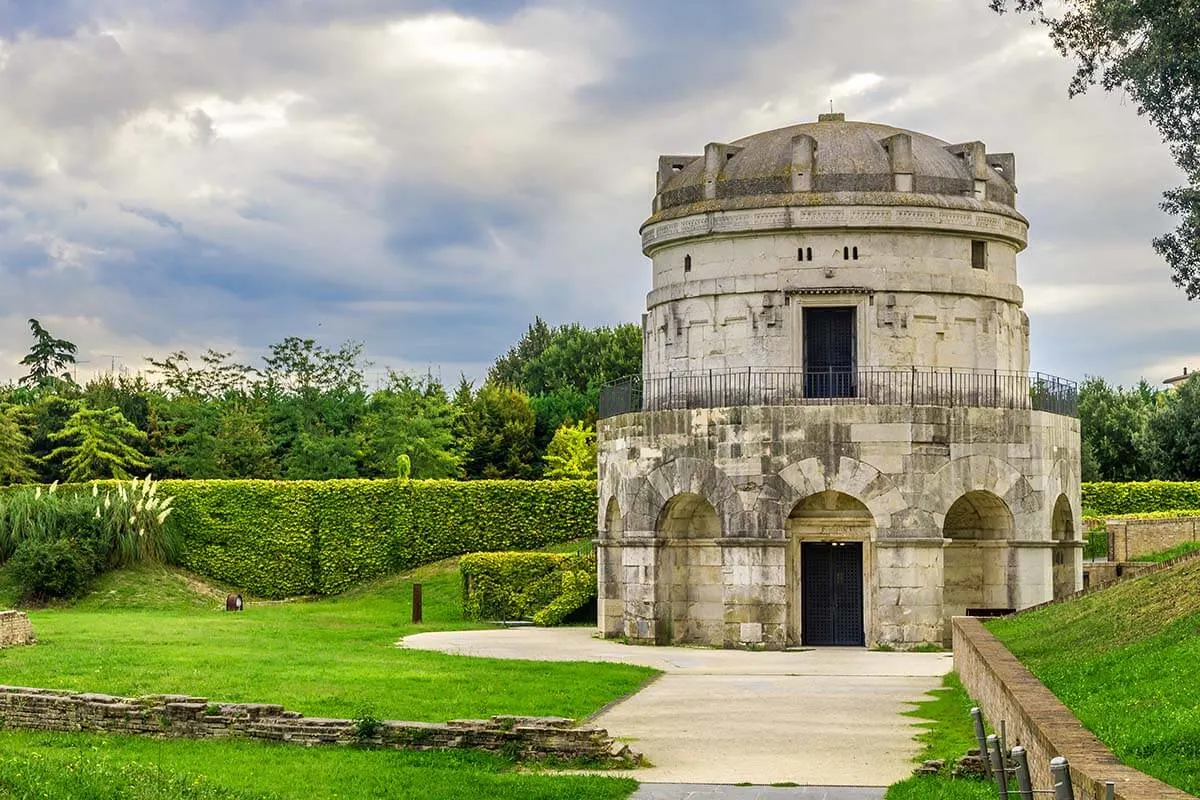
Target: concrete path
[820,717]
[708,791]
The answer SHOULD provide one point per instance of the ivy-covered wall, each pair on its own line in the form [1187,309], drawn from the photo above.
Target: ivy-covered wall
[285,538]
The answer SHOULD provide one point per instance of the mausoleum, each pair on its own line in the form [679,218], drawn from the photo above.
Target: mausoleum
[836,438]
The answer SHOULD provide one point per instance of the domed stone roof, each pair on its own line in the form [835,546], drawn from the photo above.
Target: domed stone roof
[836,162]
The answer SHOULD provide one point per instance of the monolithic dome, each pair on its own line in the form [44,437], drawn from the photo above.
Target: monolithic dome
[836,439]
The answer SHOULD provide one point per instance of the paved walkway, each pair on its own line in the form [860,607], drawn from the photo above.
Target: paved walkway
[825,717]
[708,791]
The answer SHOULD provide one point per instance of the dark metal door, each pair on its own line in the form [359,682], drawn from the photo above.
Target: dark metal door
[829,352]
[831,590]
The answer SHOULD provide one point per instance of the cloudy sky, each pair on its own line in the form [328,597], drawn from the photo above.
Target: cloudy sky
[425,177]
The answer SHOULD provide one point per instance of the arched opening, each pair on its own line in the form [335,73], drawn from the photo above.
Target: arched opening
[1062,531]
[978,527]
[610,605]
[690,586]
[829,534]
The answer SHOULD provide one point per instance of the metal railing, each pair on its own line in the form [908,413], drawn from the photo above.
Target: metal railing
[916,386]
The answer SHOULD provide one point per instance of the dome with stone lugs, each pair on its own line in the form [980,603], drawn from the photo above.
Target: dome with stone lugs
[837,162]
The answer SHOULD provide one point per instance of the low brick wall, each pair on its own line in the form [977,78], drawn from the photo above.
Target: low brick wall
[1039,722]
[184,717]
[1130,538]
[15,629]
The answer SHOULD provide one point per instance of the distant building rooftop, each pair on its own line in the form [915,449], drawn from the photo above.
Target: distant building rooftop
[1178,379]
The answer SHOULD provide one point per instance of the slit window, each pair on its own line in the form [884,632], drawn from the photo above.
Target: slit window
[804,254]
[687,263]
[845,254]
[855,253]
[979,255]
[808,253]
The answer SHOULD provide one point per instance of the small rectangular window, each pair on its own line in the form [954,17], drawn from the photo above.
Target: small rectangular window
[979,255]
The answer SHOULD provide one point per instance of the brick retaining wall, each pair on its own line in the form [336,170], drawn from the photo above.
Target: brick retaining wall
[1130,538]
[1038,721]
[184,717]
[15,629]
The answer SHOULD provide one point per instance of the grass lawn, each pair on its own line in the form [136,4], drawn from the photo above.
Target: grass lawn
[948,734]
[149,631]
[153,630]
[38,765]
[1124,660]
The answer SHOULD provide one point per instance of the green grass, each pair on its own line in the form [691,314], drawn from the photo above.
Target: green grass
[948,734]
[1124,661]
[39,765]
[1166,555]
[150,631]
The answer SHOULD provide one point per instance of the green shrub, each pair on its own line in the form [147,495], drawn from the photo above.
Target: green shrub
[286,538]
[52,568]
[289,538]
[544,587]
[1103,499]
[257,535]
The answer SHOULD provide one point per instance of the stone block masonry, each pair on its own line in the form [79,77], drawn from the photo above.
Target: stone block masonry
[185,717]
[15,629]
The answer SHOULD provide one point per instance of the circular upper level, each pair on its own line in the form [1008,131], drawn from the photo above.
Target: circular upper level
[826,175]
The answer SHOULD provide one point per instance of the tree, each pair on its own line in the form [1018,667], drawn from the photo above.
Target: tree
[317,397]
[1149,49]
[1115,425]
[571,357]
[495,432]
[410,418]
[1177,432]
[217,377]
[572,453]
[48,359]
[16,464]
[99,444]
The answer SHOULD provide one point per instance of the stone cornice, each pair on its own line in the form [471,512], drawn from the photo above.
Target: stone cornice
[972,221]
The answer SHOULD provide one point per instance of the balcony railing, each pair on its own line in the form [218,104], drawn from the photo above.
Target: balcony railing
[912,386]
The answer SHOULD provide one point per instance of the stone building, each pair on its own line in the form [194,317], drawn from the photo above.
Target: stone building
[836,438]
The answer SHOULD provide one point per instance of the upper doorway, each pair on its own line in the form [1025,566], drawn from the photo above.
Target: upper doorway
[829,352]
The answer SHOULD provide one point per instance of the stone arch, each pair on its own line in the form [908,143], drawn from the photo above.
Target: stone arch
[977,528]
[1062,482]
[690,583]
[981,473]
[1062,531]
[847,476]
[610,595]
[819,525]
[613,527]
[677,477]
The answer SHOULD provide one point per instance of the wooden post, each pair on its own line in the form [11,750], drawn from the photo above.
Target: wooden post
[416,604]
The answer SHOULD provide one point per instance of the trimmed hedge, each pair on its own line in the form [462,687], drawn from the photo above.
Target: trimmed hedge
[544,587]
[1108,499]
[287,538]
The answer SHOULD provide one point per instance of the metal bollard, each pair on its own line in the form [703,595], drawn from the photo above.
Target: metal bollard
[1060,771]
[977,716]
[1024,779]
[998,771]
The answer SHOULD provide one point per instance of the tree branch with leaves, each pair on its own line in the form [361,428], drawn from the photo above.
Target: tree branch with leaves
[1149,49]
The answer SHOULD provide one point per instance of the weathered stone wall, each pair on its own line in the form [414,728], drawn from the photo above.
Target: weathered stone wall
[905,466]
[1130,538]
[1039,722]
[15,629]
[185,717]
